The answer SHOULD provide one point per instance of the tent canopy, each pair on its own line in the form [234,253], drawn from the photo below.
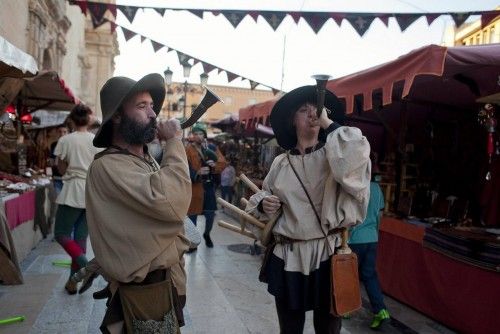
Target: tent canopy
[451,76]
[15,63]
[47,91]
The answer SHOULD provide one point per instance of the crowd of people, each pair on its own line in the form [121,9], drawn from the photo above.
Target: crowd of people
[131,185]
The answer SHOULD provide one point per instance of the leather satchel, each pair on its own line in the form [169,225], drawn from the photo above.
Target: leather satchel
[346,293]
[344,279]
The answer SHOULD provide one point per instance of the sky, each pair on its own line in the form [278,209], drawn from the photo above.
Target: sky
[285,58]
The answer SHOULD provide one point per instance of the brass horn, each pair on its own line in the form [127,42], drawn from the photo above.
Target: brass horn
[208,100]
[321,80]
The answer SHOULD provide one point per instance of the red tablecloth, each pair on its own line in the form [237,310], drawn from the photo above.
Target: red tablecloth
[461,296]
[20,209]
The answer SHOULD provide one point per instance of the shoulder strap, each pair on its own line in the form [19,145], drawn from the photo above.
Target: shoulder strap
[307,193]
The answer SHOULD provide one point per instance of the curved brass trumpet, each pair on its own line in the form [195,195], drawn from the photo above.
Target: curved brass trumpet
[321,80]
[208,100]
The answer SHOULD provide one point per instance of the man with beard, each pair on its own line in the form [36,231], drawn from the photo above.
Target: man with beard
[136,207]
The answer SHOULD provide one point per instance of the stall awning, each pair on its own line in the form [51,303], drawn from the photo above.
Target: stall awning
[15,63]
[47,91]
[453,76]
[256,113]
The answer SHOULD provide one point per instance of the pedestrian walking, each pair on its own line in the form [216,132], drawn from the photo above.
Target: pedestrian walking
[363,241]
[74,153]
[204,165]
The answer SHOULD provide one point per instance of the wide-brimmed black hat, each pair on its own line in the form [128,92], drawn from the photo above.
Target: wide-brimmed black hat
[285,108]
[116,91]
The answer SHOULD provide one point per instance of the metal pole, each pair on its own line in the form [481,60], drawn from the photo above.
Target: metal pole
[185,105]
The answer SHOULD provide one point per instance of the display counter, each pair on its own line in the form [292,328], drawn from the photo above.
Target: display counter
[462,296]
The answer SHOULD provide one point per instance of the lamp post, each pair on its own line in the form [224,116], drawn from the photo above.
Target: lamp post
[168,80]
[183,101]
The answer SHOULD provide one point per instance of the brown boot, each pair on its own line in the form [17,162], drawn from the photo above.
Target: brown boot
[71,287]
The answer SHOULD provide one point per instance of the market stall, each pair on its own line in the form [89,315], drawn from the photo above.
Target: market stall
[26,193]
[420,112]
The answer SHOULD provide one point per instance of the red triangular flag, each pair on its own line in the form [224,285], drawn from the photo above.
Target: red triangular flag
[431,18]
[487,18]
[315,20]
[129,12]
[360,22]
[338,18]
[275,91]
[81,4]
[128,34]
[254,15]
[234,17]
[112,9]
[459,18]
[231,76]
[295,16]
[97,11]
[405,20]
[384,18]
[274,18]
[253,84]
[113,26]
[156,46]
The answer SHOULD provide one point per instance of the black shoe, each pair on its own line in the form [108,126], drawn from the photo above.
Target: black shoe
[208,241]
[87,282]
[191,250]
[102,294]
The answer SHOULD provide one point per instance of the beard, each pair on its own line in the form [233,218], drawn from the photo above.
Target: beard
[135,133]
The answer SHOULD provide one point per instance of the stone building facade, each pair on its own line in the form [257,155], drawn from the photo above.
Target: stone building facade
[473,34]
[62,39]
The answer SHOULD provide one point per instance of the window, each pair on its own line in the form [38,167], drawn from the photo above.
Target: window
[492,36]
[252,101]
[228,100]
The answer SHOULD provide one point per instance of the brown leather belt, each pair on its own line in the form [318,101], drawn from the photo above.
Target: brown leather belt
[281,239]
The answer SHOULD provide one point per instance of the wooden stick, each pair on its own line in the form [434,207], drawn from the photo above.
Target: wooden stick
[249,183]
[243,201]
[249,218]
[236,229]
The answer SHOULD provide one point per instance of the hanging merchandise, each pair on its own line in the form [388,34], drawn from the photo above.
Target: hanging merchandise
[486,118]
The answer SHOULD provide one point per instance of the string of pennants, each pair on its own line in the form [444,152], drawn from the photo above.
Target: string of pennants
[183,57]
[316,20]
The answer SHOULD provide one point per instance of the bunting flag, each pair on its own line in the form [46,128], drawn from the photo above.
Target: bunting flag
[405,20]
[156,46]
[184,57]
[160,11]
[274,19]
[231,76]
[234,18]
[129,12]
[275,91]
[315,19]
[97,11]
[128,34]
[360,23]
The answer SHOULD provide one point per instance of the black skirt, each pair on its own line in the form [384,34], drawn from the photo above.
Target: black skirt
[299,291]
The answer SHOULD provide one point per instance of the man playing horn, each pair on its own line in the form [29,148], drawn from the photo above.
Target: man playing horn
[136,207]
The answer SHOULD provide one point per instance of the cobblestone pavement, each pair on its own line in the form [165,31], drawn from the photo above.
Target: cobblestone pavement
[224,296]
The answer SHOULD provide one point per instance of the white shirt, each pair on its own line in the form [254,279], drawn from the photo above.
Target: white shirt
[78,151]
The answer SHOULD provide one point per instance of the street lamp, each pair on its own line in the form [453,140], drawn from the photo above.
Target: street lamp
[203,79]
[168,76]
